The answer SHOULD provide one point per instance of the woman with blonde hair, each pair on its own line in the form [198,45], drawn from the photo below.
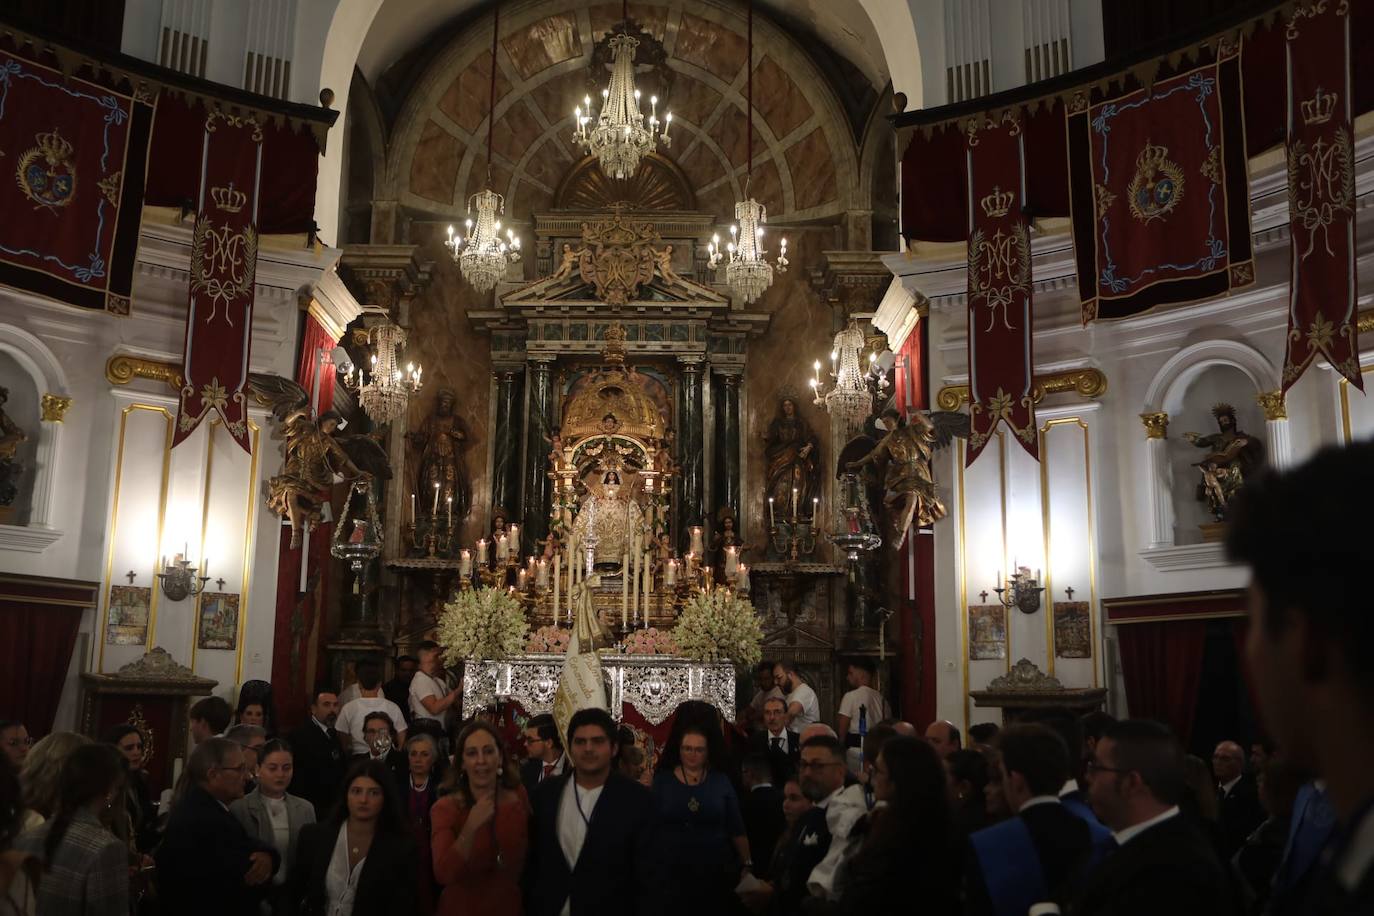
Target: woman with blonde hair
[480,829]
[42,775]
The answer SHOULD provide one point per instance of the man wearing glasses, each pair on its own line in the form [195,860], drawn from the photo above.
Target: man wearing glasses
[822,779]
[545,757]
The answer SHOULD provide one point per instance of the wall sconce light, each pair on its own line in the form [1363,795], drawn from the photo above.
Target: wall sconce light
[179,580]
[1021,591]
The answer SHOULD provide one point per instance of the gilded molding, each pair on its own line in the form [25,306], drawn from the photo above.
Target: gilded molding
[1156,425]
[1087,383]
[55,407]
[1364,321]
[123,369]
[1272,403]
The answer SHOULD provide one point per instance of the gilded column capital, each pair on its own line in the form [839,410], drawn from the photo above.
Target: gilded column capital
[55,407]
[1156,425]
[1272,403]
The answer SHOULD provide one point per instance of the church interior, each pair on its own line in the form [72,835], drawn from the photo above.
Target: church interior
[649,332]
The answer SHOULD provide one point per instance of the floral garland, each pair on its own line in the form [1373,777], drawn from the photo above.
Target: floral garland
[651,641]
[719,626]
[482,623]
[551,640]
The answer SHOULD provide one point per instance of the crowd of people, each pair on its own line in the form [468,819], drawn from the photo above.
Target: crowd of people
[383,803]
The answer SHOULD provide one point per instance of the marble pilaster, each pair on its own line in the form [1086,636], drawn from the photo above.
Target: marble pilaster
[691,479]
[538,422]
[505,475]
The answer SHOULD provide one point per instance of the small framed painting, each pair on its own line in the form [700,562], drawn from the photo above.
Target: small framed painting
[219,621]
[987,632]
[1072,630]
[126,618]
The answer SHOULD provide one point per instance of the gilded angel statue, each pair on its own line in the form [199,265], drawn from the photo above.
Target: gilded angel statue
[315,454]
[908,485]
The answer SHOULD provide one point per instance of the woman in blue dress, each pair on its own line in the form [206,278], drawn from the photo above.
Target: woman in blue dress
[701,832]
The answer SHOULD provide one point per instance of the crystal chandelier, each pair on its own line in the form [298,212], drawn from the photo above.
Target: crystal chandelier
[747,270]
[849,401]
[386,389]
[482,254]
[621,136]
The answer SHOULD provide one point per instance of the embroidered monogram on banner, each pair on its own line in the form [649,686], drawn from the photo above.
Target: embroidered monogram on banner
[1321,193]
[224,258]
[72,161]
[999,286]
[1160,201]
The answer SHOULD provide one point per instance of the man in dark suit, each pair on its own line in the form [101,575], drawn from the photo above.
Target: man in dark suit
[546,758]
[207,863]
[780,743]
[591,847]
[761,808]
[1310,640]
[823,771]
[318,760]
[1162,862]
[1042,854]
[1237,796]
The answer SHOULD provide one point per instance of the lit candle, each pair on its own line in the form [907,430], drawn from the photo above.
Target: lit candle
[731,561]
[435,510]
[412,508]
[515,540]
[522,580]
[624,589]
[450,513]
[502,546]
[772,513]
[465,562]
[541,577]
[794,504]
[482,551]
[670,574]
[557,563]
[742,578]
[706,578]
[648,586]
[815,506]
[635,560]
[696,540]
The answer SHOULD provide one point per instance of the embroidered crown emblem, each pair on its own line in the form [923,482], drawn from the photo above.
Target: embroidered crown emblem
[1319,108]
[998,203]
[54,147]
[1157,186]
[230,199]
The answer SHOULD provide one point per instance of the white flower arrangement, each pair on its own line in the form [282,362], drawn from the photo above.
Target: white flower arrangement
[550,640]
[651,641]
[482,623]
[719,626]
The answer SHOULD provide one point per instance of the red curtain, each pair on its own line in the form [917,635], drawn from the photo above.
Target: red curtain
[916,617]
[38,641]
[1161,664]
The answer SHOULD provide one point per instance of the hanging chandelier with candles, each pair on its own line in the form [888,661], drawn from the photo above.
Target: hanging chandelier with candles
[385,389]
[620,136]
[747,270]
[849,401]
[482,254]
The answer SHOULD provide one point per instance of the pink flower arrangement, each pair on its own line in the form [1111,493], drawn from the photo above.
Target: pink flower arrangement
[651,641]
[551,640]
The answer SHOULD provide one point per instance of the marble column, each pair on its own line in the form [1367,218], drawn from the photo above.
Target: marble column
[727,483]
[505,469]
[538,422]
[1278,446]
[1159,480]
[689,443]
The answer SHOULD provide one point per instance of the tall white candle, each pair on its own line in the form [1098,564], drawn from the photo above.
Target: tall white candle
[541,577]
[731,561]
[648,585]
[522,580]
[625,590]
[450,513]
[772,513]
[513,545]
[697,547]
[742,578]
[634,577]
[670,574]
[557,562]
[412,508]
[434,511]
[502,546]
[482,551]
[465,562]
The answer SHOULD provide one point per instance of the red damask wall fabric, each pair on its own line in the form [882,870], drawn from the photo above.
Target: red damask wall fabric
[1161,663]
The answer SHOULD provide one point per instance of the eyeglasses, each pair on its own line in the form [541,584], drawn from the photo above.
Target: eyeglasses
[818,764]
[1092,766]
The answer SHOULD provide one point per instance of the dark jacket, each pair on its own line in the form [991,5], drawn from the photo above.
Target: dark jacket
[784,764]
[761,808]
[1239,814]
[532,771]
[615,872]
[386,884]
[204,855]
[1063,849]
[1169,869]
[809,847]
[319,767]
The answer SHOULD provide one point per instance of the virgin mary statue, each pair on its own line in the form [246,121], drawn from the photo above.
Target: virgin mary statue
[793,461]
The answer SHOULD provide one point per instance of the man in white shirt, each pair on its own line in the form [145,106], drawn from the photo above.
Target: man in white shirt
[860,709]
[351,724]
[765,688]
[803,708]
[431,694]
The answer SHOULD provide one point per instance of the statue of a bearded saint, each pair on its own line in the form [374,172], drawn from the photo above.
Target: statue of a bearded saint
[442,438]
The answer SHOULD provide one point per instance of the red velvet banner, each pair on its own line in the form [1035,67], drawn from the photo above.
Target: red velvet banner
[1321,193]
[1160,194]
[74,155]
[999,286]
[224,263]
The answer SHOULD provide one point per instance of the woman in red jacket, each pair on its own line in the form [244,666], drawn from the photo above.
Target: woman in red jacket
[480,829]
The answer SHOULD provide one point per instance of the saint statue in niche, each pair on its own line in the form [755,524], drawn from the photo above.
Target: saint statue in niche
[441,440]
[1231,457]
[792,461]
[11,437]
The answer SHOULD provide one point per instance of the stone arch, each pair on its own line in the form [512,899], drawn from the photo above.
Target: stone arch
[1166,389]
[48,378]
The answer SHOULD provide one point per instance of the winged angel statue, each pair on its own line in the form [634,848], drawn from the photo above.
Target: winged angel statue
[315,455]
[908,485]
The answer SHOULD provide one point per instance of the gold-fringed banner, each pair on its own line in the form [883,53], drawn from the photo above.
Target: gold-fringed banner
[999,286]
[1322,303]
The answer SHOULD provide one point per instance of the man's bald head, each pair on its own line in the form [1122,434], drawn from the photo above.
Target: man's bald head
[816,729]
[944,737]
[905,729]
[1228,761]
